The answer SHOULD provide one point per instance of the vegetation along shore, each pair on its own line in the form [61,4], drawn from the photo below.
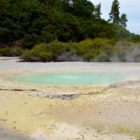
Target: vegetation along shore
[65,30]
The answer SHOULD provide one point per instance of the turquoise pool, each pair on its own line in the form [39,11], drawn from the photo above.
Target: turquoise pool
[72,78]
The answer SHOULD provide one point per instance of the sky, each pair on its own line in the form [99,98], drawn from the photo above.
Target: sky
[130,7]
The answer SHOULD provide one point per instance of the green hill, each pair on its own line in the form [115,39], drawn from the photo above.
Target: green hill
[25,23]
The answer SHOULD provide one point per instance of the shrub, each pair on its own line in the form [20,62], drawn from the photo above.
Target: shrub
[7,51]
[60,47]
[64,51]
[39,52]
[92,49]
[99,49]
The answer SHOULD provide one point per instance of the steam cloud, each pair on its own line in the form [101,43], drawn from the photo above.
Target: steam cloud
[127,54]
[122,54]
[69,56]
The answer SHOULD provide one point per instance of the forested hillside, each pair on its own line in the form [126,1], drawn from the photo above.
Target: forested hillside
[25,23]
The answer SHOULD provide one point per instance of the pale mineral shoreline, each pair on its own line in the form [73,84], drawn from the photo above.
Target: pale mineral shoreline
[98,112]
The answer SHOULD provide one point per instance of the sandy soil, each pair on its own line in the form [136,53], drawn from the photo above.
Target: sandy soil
[31,111]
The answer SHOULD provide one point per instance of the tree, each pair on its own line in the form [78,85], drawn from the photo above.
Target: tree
[114,14]
[97,11]
[82,8]
[123,20]
[48,4]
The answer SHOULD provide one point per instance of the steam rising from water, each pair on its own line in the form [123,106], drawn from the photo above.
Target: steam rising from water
[127,54]
[121,52]
[69,56]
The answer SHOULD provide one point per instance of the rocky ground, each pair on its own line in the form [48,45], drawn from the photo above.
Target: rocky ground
[45,112]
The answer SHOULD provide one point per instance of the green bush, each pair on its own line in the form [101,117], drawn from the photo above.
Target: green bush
[39,52]
[59,47]
[7,51]
[99,49]
[87,50]
[91,49]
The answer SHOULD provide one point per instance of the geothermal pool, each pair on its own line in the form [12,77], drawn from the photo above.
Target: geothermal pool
[69,73]
[73,78]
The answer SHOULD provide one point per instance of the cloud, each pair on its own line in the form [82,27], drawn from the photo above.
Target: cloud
[130,7]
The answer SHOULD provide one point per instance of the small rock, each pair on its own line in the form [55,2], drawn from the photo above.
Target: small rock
[14,127]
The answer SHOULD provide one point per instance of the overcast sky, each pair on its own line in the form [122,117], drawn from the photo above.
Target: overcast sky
[130,7]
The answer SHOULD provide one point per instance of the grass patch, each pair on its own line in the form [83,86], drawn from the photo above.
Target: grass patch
[127,131]
[98,127]
[117,130]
